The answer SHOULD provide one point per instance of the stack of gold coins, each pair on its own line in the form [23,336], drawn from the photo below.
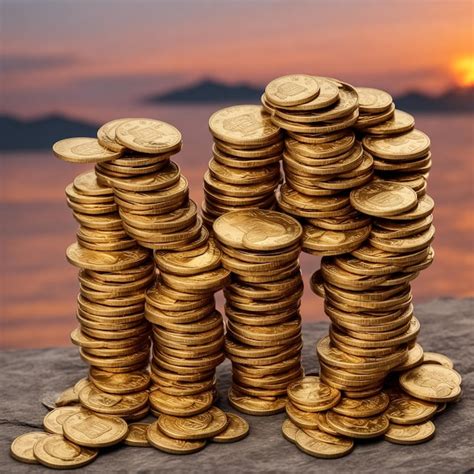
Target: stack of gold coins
[376,107]
[244,170]
[149,190]
[322,160]
[188,331]
[115,272]
[263,340]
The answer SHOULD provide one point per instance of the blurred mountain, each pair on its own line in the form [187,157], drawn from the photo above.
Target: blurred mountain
[40,133]
[209,91]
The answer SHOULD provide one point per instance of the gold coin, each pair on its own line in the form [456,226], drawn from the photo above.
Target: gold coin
[383,198]
[432,382]
[186,405]
[170,445]
[54,420]
[415,357]
[119,383]
[201,426]
[289,430]
[410,434]
[406,410]
[301,418]
[369,427]
[311,391]
[373,101]
[67,397]
[401,122]
[56,452]
[254,405]
[243,125]
[260,230]
[106,135]
[87,184]
[22,447]
[136,435]
[83,150]
[236,430]
[292,90]
[319,444]
[111,404]
[435,358]
[412,144]
[148,136]
[363,407]
[95,431]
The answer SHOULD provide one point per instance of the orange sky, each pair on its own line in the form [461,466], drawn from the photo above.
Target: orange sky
[57,53]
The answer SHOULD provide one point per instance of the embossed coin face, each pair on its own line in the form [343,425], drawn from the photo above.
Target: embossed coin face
[362,407]
[373,100]
[95,431]
[106,135]
[104,261]
[202,426]
[120,383]
[170,445]
[369,427]
[137,435]
[86,183]
[83,150]
[383,198]
[289,430]
[22,447]
[54,420]
[412,144]
[237,429]
[311,391]
[432,382]
[59,453]
[256,229]
[319,444]
[291,90]
[148,136]
[243,125]
[410,434]
[406,410]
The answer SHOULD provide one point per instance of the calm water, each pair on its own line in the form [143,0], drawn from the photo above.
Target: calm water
[39,287]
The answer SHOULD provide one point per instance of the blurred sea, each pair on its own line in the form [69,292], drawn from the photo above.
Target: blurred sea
[39,287]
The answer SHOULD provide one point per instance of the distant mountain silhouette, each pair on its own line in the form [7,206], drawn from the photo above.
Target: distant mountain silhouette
[41,133]
[209,91]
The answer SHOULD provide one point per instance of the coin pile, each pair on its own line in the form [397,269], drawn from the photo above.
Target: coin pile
[324,423]
[113,334]
[188,331]
[260,248]
[244,170]
[322,160]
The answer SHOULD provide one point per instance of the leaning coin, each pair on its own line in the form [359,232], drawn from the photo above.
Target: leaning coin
[289,430]
[83,150]
[54,420]
[137,435]
[410,434]
[436,358]
[236,429]
[319,444]
[22,447]
[58,453]
[95,431]
[170,445]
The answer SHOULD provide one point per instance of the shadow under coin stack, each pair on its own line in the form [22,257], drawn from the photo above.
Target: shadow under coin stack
[244,171]
[149,190]
[263,341]
[322,159]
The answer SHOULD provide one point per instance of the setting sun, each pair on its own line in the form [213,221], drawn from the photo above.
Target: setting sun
[464,70]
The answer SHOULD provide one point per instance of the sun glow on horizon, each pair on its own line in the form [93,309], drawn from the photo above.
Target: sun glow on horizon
[463,68]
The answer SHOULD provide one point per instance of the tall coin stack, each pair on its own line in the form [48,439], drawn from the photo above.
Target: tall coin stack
[322,160]
[263,340]
[115,272]
[244,170]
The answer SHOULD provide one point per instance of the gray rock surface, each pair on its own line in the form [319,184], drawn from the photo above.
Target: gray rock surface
[447,325]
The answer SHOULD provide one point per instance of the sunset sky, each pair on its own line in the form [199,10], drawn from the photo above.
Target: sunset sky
[67,55]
